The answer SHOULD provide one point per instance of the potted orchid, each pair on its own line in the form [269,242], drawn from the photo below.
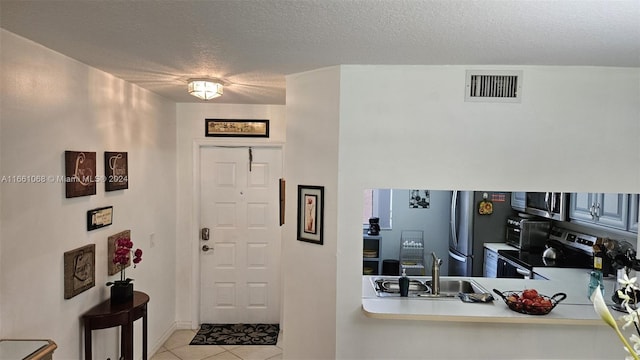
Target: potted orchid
[626,297]
[122,290]
[629,286]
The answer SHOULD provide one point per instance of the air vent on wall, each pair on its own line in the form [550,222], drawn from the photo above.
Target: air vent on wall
[493,86]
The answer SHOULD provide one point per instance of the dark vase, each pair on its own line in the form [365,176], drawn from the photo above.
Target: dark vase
[121,292]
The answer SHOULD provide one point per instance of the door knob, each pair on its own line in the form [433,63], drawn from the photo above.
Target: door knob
[206,248]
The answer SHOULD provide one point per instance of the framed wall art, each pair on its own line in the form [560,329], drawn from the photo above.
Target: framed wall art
[420,199]
[282,200]
[310,213]
[116,171]
[79,270]
[236,128]
[80,173]
[99,217]
[112,268]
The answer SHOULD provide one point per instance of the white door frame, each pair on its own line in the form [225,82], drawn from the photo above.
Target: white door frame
[195,212]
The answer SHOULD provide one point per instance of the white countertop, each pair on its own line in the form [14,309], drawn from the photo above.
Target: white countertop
[498,246]
[575,309]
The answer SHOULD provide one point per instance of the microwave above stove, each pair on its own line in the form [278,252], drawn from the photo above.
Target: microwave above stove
[549,205]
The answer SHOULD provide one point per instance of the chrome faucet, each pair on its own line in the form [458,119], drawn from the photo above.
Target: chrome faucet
[435,274]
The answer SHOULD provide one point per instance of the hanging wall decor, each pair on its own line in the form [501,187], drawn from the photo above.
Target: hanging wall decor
[310,213]
[80,173]
[236,128]
[282,200]
[112,268]
[116,171]
[79,270]
[99,217]
[420,199]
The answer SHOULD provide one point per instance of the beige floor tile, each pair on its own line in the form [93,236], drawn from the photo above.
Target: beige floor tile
[280,338]
[277,357]
[179,338]
[229,347]
[227,355]
[197,352]
[164,355]
[256,352]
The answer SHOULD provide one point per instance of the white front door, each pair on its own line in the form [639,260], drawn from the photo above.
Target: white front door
[239,204]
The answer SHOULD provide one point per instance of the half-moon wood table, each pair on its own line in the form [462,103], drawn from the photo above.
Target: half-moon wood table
[107,315]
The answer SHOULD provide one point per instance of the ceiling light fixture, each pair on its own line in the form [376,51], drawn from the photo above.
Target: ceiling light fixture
[205,89]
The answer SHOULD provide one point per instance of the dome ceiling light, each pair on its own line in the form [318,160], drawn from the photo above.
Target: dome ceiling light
[205,89]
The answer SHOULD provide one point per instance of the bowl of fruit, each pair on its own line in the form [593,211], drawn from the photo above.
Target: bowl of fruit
[529,301]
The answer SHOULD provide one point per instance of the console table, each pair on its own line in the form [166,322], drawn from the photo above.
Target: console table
[107,315]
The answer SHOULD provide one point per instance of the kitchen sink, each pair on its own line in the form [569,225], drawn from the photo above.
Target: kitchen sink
[391,286]
[456,286]
[449,288]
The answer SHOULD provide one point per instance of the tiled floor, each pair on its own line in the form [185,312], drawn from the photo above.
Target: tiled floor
[177,348]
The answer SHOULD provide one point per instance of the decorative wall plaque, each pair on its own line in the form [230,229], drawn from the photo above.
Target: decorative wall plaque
[112,268]
[79,270]
[99,217]
[236,128]
[80,173]
[116,170]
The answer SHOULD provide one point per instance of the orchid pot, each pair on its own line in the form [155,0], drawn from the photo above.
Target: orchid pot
[121,291]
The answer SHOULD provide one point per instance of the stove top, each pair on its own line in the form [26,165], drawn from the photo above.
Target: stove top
[577,250]
[530,260]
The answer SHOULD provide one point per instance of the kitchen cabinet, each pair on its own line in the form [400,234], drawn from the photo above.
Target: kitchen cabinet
[371,254]
[602,209]
[633,212]
[518,200]
[490,263]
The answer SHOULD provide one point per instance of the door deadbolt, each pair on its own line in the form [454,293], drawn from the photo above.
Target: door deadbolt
[204,234]
[206,248]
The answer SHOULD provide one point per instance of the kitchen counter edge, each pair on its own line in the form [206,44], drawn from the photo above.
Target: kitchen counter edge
[454,310]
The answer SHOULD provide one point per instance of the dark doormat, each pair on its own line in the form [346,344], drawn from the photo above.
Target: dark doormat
[237,334]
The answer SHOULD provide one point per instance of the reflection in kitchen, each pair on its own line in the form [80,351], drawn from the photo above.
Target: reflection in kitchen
[497,233]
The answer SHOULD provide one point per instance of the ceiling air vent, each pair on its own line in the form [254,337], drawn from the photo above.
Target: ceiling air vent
[493,86]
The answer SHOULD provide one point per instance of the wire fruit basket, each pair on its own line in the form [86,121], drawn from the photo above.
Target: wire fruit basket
[538,305]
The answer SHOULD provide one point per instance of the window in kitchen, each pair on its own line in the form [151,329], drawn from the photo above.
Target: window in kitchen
[377,203]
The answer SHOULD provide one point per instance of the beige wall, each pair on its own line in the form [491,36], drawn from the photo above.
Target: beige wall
[51,103]
[310,270]
[190,132]
[576,129]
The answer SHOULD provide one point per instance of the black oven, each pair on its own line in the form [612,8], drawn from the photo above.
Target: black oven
[520,264]
[508,268]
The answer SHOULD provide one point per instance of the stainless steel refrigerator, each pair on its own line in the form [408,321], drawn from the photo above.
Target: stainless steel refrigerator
[470,230]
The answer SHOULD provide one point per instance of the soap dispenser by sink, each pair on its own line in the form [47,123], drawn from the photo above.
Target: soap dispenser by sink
[403,283]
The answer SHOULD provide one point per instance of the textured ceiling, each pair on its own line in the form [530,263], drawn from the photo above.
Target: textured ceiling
[251,45]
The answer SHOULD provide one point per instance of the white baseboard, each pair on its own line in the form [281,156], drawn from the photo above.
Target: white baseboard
[165,336]
[186,325]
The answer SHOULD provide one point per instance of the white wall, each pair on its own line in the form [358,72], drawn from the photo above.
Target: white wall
[310,270]
[580,125]
[49,104]
[190,130]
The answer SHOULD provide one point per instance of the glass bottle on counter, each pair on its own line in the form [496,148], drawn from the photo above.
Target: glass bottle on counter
[403,282]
